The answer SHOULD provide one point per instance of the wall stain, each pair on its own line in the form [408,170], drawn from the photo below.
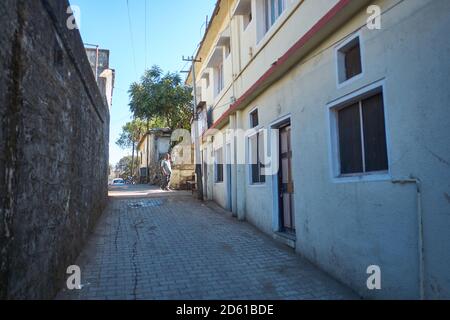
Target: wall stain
[447,197]
[439,158]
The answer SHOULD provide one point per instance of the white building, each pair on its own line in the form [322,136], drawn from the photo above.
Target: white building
[362,126]
[151,149]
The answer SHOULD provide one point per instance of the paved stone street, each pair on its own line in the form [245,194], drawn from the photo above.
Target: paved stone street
[170,246]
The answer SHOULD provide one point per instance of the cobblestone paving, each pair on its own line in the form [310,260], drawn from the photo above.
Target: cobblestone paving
[177,248]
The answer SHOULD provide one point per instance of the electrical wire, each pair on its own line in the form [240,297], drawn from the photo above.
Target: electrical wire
[132,39]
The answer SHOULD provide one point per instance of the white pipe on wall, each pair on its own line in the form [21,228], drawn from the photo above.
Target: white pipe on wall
[418,184]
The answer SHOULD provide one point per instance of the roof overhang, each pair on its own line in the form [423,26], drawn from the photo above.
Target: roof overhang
[242,7]
[205,74]
[216,58]
[224,38]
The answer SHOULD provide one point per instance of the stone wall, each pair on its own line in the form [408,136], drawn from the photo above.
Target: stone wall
[53,148]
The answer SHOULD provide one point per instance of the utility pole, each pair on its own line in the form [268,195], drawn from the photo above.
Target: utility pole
[198,164]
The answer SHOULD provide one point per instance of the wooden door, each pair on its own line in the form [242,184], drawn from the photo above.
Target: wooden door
[286,183]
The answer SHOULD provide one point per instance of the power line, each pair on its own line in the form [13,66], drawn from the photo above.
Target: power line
[132,39]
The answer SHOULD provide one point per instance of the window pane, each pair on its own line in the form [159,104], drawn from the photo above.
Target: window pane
[375,134]
[353,65]
[255,173]
[220,173]
[272,12]
[261,157]
[254,119]
[280,7]
[350,140]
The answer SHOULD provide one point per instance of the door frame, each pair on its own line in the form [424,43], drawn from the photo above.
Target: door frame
[275,149]
[229,174]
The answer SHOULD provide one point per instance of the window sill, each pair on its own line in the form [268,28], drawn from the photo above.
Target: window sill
[369,177]
[257,185]
[348,82]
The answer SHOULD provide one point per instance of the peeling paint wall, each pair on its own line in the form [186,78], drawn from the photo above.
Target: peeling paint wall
[53,148]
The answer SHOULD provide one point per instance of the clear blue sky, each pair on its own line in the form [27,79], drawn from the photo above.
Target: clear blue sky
[174,29]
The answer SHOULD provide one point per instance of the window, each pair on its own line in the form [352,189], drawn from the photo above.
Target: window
[349,60]
[362,137]
[254,119]
[273,10]
[219,165]
[219,79]
[209,117]
[256,155]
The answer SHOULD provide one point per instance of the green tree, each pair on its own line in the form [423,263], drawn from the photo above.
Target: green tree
[125,166]
[162,100]
[131,134]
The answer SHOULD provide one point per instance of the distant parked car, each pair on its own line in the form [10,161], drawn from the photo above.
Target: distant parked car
[118,182]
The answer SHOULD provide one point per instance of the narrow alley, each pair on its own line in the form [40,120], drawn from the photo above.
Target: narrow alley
[276,150]
[164,246]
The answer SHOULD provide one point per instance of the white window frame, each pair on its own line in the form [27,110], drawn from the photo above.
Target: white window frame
[333,128]
[220,80]
[340,60]
[268,13]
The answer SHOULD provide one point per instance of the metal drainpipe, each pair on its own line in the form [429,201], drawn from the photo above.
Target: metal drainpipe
[418,184]
[96,63]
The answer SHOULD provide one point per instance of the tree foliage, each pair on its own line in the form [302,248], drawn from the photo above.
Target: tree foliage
[132,132]
[162,99]
[124,166]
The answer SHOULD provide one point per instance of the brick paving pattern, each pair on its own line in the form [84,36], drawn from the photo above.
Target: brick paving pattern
[178,248]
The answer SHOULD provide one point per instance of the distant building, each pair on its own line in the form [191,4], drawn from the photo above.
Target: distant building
[153,146]
[105,77]
[151,149]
